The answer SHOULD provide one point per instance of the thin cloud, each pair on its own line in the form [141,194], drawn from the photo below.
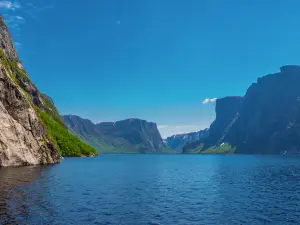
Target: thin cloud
[11,20]
[17,45]
[20,18]
[162,126]
[15,14]
[209,100]
[14,22]
[10,5]
[34,11]
[30,5]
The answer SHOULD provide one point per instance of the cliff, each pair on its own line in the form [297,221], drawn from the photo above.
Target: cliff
[265,121]
[269,117]
[126,136]
[226,112]
[29,121]
[23,139]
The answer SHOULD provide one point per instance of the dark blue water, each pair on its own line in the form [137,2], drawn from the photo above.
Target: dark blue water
[154,189]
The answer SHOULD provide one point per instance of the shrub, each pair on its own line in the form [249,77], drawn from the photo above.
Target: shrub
[67,144]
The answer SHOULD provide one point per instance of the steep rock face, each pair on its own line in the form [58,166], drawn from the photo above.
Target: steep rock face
[176,142]
[126,136]
[269,118]
[79,126]
[226,113]
[141,134]
[23,139]
[6,43]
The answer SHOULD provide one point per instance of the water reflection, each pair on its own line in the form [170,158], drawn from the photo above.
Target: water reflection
[14,196]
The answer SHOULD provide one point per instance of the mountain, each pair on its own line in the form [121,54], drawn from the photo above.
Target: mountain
[269,118]
[31,131]
[226,110]
[126,136]
[265,121]
[176,142]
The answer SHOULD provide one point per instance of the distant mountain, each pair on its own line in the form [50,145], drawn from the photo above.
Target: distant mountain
[176,142]
[265,121]
[126,136]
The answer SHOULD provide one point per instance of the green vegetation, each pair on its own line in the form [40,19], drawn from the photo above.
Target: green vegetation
[111,145]
[51,109]
[167,151]
[8,65]
[67,144]
[106,145]
[5,63]
[197,149]
[222,149]
[19,71]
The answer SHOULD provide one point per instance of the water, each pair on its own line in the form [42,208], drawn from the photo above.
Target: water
[154,189]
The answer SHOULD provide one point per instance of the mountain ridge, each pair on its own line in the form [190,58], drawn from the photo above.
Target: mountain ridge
[125,136]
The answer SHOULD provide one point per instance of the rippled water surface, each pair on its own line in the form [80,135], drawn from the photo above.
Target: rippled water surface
[154,189]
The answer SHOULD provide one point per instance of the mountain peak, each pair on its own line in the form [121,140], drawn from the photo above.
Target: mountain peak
[2,23]
[132,120]
[6,43]
[290,69]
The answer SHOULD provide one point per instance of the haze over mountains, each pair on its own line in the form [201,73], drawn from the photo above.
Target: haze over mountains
[126,136]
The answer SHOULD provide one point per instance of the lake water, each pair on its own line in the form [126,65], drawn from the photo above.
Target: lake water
[154,189]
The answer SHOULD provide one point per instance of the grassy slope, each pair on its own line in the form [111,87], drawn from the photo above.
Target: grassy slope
[224,149]
[106,146]
[111,144]
[67,144]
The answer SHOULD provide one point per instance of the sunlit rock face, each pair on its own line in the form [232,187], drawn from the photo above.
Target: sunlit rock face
[23,139]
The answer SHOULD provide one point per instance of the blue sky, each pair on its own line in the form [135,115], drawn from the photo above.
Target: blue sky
[157,60]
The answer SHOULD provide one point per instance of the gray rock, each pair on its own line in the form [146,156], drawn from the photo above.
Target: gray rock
[23,139]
